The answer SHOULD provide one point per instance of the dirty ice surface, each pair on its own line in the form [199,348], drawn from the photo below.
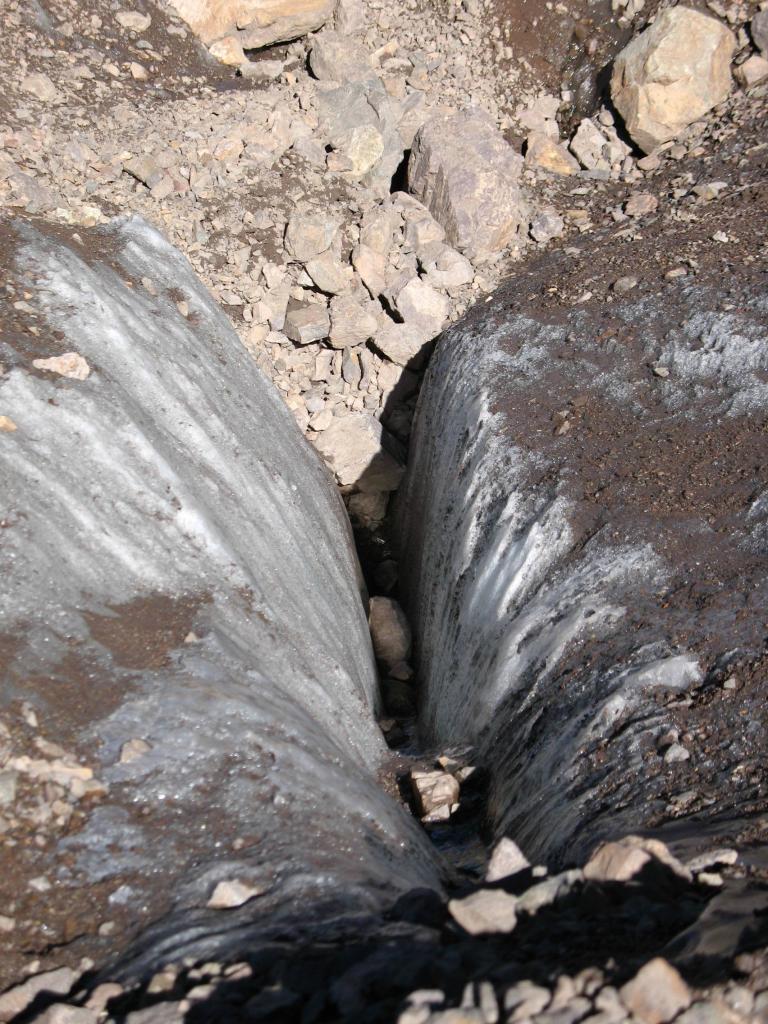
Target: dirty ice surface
[178,553]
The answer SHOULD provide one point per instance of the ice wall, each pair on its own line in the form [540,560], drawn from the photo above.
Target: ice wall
[177,568]
[582,548]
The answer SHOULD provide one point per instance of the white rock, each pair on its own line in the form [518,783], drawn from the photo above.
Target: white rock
[433,791]
[417,302]
[671,75]
[486,912]
[69,365]
[232,893]
[372,268]
[328,273]
[255,23]
[353,448]
[401,343]
[134,21]
[507,859]
[589,146]
[309,233]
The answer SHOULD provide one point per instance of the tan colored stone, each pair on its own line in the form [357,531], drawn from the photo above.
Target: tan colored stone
[69,365]
[353,448]
[487,912]
[753,71]
[656,994]
[615,862]
[232,893]
[390,632]
[228,51]
[671,75]
[255,23]
[7,425]
[433,791]
[545,153]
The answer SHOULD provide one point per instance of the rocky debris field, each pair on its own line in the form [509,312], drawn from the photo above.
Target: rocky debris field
[523,945]
[345,196]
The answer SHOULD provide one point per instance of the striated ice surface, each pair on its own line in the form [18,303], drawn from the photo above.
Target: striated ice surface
[540,638]
[178,552]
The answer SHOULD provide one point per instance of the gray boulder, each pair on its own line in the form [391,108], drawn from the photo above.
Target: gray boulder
[466,174]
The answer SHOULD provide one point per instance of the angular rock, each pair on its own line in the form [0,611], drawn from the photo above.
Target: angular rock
[758,28]
[232,893]
[351,322]
[434,791]
[309,233]
[229,51]
[752,72]
[354,449]
[70,364]
[589,146]
[328,273]
[362,146]
[15,1000]
[335,58]
[254,23]
[447,268]
[305,324]
[507,859]
[403,343]
[466,174]
[656,994]
[418,303]
[547,154]
[486,912]
[390,632]
[615,862]
[671,75]
[372,268]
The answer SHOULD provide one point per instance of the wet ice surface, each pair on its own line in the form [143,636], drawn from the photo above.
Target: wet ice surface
[175,535]
[542,631]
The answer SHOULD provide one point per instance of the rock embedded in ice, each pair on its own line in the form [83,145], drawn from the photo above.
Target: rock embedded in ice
[71,365]
[232,893]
